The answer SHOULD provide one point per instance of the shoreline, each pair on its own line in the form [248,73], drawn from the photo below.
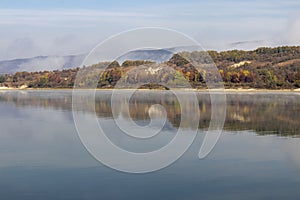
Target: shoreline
[177,89]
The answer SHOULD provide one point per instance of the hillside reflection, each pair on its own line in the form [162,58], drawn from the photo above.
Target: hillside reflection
[271,113]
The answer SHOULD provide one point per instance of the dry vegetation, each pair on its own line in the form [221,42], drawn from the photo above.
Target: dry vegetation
[269,68]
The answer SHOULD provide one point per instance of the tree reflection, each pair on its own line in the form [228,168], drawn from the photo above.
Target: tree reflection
[264,113]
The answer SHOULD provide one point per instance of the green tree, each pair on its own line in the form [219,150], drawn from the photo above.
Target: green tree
[2,79]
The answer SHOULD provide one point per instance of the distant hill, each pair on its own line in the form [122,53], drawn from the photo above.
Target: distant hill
[267,68]
[159,55]
[155,55]
[40,63]
[50,63]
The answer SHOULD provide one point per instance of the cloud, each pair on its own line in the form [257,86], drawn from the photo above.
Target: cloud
[38,64]
[251,44]
[21,47]
[39,17]
[292,32]
[47,45]
[215,24]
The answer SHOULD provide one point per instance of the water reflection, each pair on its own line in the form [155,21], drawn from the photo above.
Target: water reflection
[264,113]
[41,156]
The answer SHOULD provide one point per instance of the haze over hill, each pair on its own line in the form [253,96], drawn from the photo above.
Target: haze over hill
[50,63]
[40,63]
[268,68]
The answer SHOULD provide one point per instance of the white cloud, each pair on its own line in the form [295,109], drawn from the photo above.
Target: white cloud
[39,17]
[292,32]
[215,24]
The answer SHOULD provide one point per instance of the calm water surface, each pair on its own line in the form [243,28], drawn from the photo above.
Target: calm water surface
[257,156]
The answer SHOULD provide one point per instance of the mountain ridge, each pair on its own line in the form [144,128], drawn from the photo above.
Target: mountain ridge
[264,68]
[56,62]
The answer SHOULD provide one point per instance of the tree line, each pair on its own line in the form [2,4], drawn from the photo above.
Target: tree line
[270,68]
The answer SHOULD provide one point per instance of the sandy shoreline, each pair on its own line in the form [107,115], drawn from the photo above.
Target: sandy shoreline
[195,90]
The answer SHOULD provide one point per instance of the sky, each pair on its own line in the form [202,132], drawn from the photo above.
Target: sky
[66,27]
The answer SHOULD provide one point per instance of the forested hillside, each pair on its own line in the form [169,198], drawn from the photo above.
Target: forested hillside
[269,68]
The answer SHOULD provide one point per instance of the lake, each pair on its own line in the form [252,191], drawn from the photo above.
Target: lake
[256,157]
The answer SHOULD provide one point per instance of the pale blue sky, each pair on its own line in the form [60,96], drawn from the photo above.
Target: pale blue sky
[62,27]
